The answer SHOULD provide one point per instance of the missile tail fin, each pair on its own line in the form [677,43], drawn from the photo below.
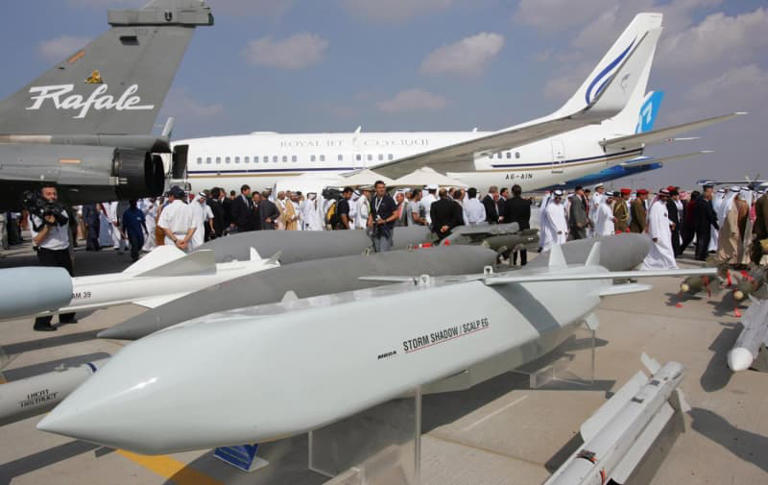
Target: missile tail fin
[593,259]
[557,258]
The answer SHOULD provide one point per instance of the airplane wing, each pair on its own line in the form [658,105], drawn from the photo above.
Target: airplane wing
[593,103]
[639,140]
[640,161]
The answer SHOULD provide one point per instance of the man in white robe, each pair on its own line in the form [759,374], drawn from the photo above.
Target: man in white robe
[605,221]
[311,213]
[661,255]
[362,210]
[118,242]
[554,224]
[149,207]
[201,215]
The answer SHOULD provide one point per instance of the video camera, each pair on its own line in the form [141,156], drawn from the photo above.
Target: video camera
[40,207]
[329,193]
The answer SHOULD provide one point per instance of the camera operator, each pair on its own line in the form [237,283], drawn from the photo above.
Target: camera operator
[50,237]
[382,218]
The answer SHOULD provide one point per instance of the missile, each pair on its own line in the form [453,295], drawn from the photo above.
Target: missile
[752,339]
[163,275]
[622,431]
[285,368]
[748,284]
[29,290]
[304,279]
[619,252]
[696,284]
[39,394]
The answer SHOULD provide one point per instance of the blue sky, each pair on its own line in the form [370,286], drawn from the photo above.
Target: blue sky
[331,65]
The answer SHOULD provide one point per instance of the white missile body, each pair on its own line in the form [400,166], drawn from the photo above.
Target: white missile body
[267,372]
[163,275]
[752,338]
[619,434]
[32,289]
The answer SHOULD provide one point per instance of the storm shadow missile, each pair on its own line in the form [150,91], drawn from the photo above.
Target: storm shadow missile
[622,431]
[619,252]
[313,361]
[295,246]
[753,339]
[165,274]
[33,289]
[304,279]
[39,394]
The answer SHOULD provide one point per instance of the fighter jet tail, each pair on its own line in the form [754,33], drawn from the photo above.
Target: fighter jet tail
[114,85]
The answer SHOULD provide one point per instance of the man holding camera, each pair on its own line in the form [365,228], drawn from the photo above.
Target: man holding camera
[50,236]
[382,218]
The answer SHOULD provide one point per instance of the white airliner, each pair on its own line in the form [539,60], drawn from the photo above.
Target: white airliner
[592,131]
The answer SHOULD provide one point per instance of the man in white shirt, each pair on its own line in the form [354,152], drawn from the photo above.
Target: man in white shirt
[201,215]
[362,209]
[50,237]
[474,210]
[427,200]
[176,220]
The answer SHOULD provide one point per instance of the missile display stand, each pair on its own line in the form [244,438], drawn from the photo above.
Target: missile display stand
[381,445]
[242,457]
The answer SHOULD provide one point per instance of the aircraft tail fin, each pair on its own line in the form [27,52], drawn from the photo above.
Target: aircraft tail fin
[117,83]
[648,111]
[630,58]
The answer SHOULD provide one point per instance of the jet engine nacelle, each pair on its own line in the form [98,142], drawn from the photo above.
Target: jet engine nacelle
[139,174]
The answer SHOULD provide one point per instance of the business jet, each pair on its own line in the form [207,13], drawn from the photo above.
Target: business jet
[594,130]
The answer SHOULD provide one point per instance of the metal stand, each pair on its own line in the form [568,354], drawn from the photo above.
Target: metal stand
[570,368]
[381,445]
[760,363]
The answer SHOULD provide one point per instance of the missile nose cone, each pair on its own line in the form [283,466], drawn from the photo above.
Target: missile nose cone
[683,287]
[738,295]
[739,359]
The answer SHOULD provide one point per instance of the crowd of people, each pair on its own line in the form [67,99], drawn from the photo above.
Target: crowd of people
[726,227]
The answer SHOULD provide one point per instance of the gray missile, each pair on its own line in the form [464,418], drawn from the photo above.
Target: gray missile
[30,290]
[752,339]
[304,279]
[749,283]
[620,252]
[39,394]
[622,431]
[295,246]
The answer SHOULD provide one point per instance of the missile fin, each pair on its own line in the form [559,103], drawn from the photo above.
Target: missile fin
[593,259]
[627,465]
[199,262]
[255,256]
[610,408]
[159,256]
[557,258]
[650,363]
[157,301]
[274,259]
[290,295]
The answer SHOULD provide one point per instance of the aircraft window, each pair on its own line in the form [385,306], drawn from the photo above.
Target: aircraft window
[509,155]
[208,160]
[517,154]
[390,157]
[312,158]
[370,157]
[340,158]
[358,157]
[274,158]
[218,159]
[285,158]
[381,157]
[237,159]
[265,158]
[228,160]
[294,159]
[255,159]
[322,158]
[199,160]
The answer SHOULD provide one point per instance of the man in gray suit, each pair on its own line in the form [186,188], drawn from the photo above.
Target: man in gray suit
[577,215]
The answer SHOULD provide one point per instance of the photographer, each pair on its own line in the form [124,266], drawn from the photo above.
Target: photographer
[382,218]
[50,235]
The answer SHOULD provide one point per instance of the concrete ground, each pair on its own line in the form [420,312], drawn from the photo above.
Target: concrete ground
[498,432]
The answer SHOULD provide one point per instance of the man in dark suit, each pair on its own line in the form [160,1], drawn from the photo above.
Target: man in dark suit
[267,211]
[577,217]
[704,218]
[503,196]
[220,221]
[517,209]
[243,215]
[489,202]
[446,214]
[674,217]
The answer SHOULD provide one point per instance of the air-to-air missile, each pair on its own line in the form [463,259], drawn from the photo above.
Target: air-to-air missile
[313,361]
[753,340]
[336,275]
[29,290]
[165,274]
[301,280]
[297,246]
[39,394]
[749,283]
[622,431]
[696,284]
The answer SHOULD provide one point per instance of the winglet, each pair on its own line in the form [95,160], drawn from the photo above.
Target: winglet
[556,257]
[594,255]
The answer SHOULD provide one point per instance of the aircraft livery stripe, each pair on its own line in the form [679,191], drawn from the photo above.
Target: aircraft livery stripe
[608,68]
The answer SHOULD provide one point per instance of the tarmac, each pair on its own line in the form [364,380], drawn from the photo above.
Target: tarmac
[502,431]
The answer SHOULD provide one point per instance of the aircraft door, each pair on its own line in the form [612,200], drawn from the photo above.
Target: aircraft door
[558,156]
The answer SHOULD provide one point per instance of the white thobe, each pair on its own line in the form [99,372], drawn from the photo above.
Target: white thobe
[311,218]
[554,225]
[362,210]
[149,208]
[661,255]
[474,212]
[604,225]
[201,213]
[117,238]
[426,203]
